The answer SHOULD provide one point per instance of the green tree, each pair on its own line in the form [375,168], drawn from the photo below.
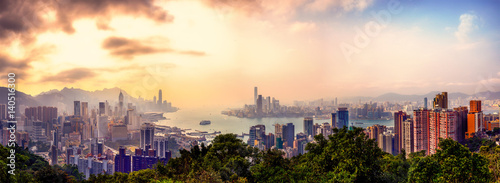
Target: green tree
[72,170]
[492,153]
[347,156]
[395,168]
[452,162]
[272,167]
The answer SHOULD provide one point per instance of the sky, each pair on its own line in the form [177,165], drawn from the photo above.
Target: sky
[203,53]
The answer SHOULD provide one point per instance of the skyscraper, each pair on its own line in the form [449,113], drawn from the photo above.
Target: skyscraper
[475,121]
[85,110]
[3,111]
[399,118]
[334,120]
[102,108]
[278,132]
[120,104]
[160,98]
[259,106]
[255,95]
[375,131]
[257,132]
[385,142]
[122,161]
[421,130]
[408,138]
[53,149]
[343,117]
[441,101]
[425,103]
[462,112]
[268,104]
[475,106]
[147,134]
[308,126]
[442,124]
[289,134]
[77,109]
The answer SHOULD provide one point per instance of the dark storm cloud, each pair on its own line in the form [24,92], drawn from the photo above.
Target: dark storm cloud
[24,18]
[128,48]
[69,76]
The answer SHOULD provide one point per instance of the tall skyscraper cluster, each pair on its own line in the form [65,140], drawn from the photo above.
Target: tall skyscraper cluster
[264,105]
[285,138]
[160,104]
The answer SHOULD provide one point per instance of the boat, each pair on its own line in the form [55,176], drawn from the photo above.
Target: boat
[205,122]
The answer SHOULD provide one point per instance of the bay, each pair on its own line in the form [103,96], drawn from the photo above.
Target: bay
[190,119]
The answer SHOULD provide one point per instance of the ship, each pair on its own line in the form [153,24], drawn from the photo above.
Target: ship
[205,122]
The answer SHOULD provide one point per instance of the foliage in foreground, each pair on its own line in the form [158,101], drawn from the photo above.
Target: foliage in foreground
[346,156]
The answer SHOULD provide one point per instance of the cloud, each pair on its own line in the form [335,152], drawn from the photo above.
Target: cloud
[128,48]
[246,6]
[70,76]
[12,65]
[25,19]
[467,25]
[299,27]
[193,53]
[344,5]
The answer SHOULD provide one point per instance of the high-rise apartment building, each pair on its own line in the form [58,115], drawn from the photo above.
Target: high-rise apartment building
[442,124]
[385,142]
[399,118]
[375,131]
[441,101]
[475,121]
[421,130]
[122,161]
[147,134]
[408,139]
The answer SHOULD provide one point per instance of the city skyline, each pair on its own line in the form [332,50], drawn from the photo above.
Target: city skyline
[296,50]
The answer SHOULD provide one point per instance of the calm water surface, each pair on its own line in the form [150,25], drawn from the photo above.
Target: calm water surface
[190,119]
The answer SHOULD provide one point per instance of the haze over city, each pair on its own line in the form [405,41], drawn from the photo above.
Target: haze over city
[208,52]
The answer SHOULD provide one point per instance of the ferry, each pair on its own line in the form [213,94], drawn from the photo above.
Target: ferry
[205,122]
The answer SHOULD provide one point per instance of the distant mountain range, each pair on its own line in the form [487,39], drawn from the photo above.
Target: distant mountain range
[63,99]
[488,95]
[392,97]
